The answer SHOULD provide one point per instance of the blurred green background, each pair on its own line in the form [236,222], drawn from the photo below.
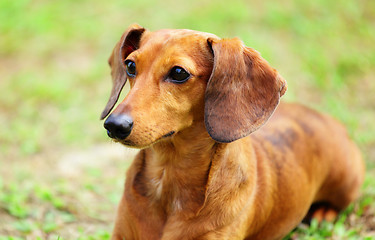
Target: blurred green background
[61,177]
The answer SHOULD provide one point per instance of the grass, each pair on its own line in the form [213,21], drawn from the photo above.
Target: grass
[59,177]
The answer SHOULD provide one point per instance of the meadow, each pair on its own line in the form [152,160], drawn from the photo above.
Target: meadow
[61,177]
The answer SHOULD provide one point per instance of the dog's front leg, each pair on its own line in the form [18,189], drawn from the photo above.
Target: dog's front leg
[189,234]
[181,230]
[204,228]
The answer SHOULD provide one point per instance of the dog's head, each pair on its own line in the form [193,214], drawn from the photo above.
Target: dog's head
[179,78]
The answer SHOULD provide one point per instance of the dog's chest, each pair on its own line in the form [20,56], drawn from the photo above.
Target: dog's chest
[175,188]
[166,193]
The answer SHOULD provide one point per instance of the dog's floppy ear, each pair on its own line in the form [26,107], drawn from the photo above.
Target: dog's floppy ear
[242,92]
[127,44]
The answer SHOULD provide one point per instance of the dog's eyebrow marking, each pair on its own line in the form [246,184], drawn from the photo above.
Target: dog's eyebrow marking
[133,56]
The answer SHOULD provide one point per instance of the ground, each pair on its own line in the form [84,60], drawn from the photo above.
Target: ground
[61,177]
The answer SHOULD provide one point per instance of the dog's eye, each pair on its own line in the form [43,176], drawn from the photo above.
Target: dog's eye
[178,75]
[130,68]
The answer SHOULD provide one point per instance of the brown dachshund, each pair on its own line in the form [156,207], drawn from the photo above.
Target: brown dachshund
[217,160]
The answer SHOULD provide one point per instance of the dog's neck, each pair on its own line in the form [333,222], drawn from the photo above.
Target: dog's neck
[178,169]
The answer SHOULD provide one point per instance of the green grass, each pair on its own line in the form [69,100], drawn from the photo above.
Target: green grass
[54,82]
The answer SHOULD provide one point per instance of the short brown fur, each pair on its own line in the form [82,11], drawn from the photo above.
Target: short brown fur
[200,175]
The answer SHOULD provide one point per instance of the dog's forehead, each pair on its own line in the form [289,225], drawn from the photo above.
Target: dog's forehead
[177,37]
[168,47]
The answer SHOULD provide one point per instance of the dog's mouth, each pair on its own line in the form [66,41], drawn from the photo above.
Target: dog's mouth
[131,143]
[168,134]
[165,136]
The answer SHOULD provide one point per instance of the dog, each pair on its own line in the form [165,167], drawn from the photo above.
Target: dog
[220,158]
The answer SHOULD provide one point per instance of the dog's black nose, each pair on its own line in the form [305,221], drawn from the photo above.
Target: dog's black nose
[118,126]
